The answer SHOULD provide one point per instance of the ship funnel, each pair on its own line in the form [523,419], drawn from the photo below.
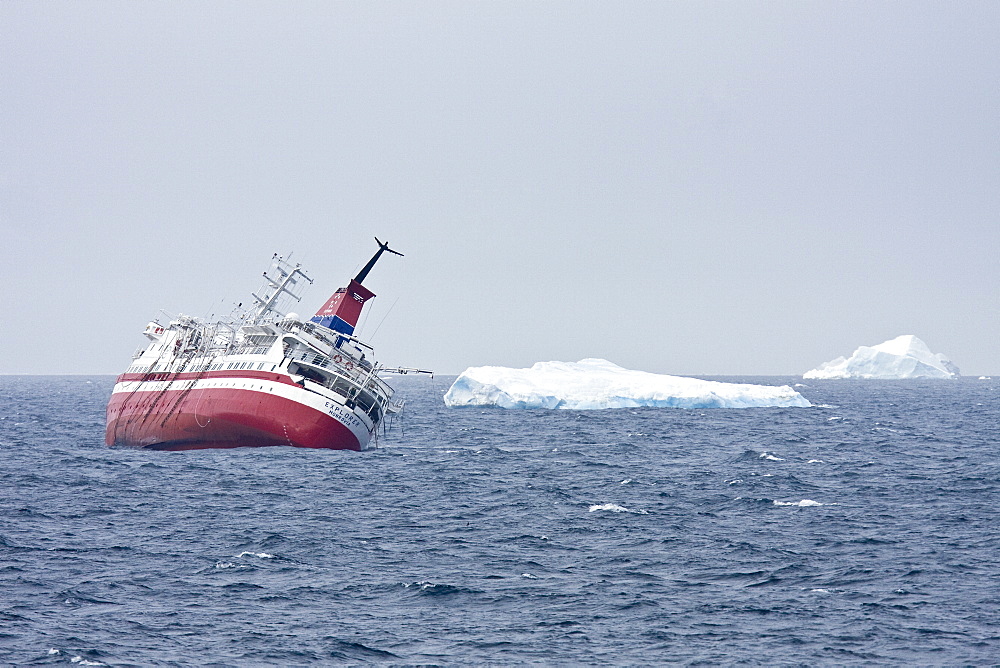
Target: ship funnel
[343,308]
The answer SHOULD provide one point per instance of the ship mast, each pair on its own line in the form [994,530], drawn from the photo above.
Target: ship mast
[282,284]
[382,247]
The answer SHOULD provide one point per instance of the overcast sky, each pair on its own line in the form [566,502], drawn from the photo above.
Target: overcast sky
[679,187]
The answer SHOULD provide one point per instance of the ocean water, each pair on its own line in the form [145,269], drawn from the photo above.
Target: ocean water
[863,531]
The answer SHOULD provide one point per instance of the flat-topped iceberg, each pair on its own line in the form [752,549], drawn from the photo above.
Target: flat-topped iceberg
[902,357]
[595,384]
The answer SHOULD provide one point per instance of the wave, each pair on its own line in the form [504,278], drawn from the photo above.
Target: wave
[614,508]
[428,588]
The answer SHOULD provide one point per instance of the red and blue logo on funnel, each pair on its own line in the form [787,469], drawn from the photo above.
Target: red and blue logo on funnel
[343,308]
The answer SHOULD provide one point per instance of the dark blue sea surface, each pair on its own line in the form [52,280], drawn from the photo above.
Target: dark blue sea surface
[861,531]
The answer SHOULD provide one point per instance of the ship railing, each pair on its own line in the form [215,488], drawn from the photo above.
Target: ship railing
[361,374]
[250,350]
[217,350]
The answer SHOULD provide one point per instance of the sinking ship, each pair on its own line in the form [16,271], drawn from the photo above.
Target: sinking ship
[260,377]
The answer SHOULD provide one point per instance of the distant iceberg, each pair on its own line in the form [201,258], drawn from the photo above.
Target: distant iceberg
[902,357]
[596,384]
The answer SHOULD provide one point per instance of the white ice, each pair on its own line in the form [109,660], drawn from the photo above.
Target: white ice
[902,357]
[595,384]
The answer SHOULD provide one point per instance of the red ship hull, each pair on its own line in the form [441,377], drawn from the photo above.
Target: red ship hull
[219,417]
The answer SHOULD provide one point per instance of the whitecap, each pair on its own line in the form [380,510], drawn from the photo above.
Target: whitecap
[608,506]
[84,662]
[228,564]
[53,650]
[529,576]
[261,555]
[770,457]
[804,503]
[615,509]
[815,461]
[625,481]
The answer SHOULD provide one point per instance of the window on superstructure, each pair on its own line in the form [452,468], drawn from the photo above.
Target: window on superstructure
[341,386]
[365,400]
